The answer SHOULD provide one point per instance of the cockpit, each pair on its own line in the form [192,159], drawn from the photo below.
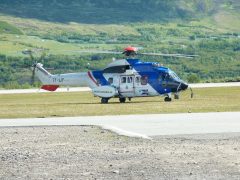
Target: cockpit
[169,79]
[167,75]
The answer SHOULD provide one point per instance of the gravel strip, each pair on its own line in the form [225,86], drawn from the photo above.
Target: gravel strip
[88,152]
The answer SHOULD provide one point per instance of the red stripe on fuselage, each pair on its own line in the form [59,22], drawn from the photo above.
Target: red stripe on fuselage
[90,76]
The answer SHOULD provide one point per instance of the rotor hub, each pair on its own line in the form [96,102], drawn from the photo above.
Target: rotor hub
[130,51]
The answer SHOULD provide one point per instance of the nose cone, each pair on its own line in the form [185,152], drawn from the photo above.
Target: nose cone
[184,86]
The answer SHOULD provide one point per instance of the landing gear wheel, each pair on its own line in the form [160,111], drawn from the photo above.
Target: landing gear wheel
[167,99]
[104,100]
[122,100]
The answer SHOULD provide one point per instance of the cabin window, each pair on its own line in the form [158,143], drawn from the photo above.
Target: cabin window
[144,80]
[123,80]
[110,80]
[129,79]
[137,80]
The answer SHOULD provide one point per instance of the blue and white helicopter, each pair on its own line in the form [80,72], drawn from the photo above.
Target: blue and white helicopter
[124,78]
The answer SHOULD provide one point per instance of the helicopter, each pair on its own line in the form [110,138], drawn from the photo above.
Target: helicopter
[123,78]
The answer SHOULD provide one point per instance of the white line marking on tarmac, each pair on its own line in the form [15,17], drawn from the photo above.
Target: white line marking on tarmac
[124,132]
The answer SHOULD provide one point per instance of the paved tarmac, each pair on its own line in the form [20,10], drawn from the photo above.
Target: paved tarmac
[145,125]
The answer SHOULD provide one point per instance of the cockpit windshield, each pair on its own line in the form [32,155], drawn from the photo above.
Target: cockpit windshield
[173,75]
[168,76]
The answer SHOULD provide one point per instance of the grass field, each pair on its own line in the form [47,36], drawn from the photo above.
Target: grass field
[13,45]
[84,104]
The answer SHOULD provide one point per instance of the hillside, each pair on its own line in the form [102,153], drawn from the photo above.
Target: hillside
[210,29]
[115,11]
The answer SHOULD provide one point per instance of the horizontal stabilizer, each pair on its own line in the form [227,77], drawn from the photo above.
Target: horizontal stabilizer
[50,87]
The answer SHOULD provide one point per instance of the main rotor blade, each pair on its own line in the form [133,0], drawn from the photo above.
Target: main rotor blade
[169,55]
[145,54]
[94,51]
[33,73]
[33,76]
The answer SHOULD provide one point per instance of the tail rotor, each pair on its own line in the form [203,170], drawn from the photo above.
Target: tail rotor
[35,60]
[33,73]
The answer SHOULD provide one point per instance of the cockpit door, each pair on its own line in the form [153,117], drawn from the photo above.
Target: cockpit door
[127,86]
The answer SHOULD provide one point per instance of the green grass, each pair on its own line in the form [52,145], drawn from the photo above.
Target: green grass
[84,104]
[227,21]
[8,28]
[39,27]
[13,45]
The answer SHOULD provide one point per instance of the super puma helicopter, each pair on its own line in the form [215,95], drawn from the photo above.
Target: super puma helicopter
[124,78]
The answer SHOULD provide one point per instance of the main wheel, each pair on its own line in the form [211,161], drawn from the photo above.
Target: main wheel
[104,100]
[122,100]
[167,99]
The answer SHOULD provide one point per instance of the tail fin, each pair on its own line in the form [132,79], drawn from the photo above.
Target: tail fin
[45,77]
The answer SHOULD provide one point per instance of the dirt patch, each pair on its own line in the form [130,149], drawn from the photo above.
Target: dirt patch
[83,152]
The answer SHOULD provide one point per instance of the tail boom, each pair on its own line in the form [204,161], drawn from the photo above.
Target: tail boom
[52,82]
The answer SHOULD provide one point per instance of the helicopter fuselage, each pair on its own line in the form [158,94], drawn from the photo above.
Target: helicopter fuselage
[126,78]
[133,78]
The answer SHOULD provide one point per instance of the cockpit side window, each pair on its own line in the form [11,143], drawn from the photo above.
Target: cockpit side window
[163,77]
[160,77]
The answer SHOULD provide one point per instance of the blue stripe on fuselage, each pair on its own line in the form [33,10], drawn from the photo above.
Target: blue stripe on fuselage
[98,75]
